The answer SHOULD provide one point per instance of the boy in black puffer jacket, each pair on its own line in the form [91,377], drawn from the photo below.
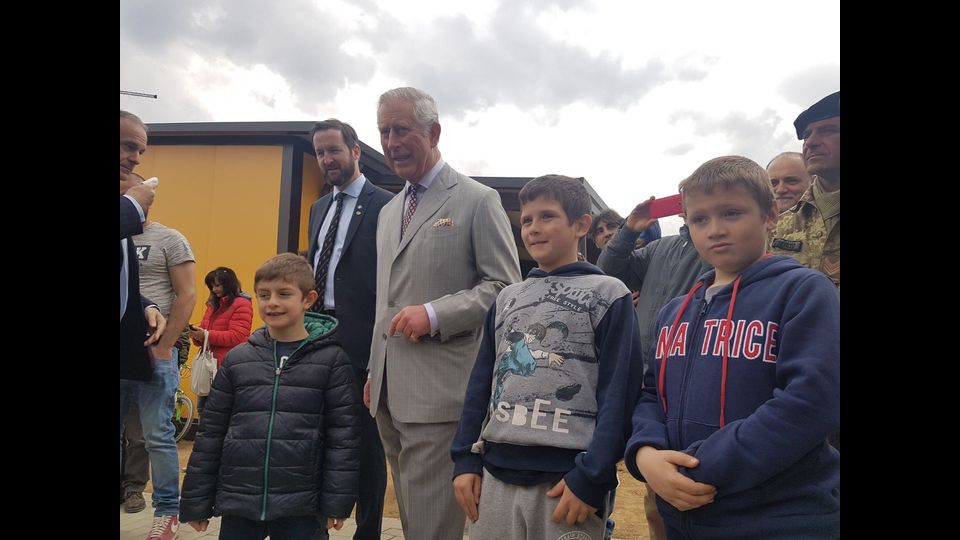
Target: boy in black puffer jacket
[279,440]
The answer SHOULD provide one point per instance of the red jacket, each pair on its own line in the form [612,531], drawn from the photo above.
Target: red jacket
[228,326]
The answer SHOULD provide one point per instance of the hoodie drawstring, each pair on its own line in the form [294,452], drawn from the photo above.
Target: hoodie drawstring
[727,323]
[726,352]
[670,337]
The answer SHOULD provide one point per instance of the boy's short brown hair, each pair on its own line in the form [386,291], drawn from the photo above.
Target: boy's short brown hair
[287,267]
[728,172]
[569,192]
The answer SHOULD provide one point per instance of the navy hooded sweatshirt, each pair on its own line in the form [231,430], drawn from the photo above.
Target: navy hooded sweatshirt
[754,405]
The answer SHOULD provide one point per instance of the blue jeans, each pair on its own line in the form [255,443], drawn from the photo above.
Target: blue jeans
[155,400]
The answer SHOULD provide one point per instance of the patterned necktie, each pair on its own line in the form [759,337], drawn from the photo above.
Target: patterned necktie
[325,252]
[411,208]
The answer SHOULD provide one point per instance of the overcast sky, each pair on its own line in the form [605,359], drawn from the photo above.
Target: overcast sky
[632,95]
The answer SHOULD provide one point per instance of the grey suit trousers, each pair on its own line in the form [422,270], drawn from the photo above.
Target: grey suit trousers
[422,471]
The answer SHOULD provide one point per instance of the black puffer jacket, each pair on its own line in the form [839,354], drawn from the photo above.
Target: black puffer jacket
[278,441]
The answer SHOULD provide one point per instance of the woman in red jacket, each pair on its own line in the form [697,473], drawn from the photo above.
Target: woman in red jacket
[227,319]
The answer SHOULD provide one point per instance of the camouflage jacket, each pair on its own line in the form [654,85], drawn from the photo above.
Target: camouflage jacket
[802,234]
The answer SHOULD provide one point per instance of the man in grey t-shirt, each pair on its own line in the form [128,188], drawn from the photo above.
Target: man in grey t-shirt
[167,276]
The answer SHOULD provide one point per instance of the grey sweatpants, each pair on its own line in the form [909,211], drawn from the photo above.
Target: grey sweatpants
[517,512]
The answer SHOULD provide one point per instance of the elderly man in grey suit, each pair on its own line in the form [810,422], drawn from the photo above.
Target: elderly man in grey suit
[445,251]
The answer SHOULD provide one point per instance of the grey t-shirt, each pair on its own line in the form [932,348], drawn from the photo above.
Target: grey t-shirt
[158,249]
[710,292]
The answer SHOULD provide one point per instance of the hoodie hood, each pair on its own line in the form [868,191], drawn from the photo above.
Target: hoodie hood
[579,268]
[319,328]
[767,267]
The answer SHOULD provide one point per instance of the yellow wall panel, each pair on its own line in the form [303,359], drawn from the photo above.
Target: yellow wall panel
[312,180]
[225,200]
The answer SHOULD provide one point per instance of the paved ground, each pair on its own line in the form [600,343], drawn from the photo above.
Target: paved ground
[136,526]
[630,522]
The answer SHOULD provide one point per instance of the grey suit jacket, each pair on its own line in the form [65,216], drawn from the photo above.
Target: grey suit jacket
[458,253]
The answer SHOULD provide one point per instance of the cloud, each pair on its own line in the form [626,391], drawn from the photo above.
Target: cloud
[175,102]
[680,149]
[466,64]
[752,136]
[301,41]
[516,61]
[808,86]
[596,88]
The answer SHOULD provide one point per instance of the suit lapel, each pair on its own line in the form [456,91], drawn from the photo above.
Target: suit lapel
[433,200]
[363,202]
[390,216]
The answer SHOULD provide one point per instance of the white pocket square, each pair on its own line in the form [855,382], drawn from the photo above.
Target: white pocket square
[442,222]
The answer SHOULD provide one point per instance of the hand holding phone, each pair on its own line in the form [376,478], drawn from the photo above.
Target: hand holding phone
[639,218]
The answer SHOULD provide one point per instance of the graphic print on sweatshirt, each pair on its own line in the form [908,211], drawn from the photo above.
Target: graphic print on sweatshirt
[546,372]
[751,340]
[520,360]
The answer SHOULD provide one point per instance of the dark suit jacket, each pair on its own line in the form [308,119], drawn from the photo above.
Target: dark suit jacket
[355,279]
[134,360]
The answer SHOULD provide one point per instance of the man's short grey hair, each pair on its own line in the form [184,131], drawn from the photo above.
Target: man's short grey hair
[424,106]
[785,154]
[132,117]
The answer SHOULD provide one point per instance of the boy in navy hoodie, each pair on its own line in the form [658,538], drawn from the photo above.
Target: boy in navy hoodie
[731,428]
[548,404]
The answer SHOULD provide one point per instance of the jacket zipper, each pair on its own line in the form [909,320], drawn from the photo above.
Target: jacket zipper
[278,367]
[692,355]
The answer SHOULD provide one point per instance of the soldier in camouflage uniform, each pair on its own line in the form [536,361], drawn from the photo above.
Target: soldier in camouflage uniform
[810,231]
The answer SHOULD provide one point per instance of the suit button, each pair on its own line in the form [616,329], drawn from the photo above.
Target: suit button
[384,336]
[391,304]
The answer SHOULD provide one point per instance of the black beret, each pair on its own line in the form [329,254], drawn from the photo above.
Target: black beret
[827,107]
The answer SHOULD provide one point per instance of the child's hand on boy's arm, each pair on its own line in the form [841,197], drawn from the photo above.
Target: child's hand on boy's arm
[336,523]
[199,526]
[467,489]
[570,507]
[659,468]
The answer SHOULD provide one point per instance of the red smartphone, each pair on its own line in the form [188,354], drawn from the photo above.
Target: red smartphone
[667,206]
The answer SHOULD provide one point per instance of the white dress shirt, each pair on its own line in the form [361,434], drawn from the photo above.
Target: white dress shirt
[124,271]
[351,195]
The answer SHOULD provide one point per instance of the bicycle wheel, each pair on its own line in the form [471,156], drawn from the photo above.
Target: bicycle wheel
[182,415]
